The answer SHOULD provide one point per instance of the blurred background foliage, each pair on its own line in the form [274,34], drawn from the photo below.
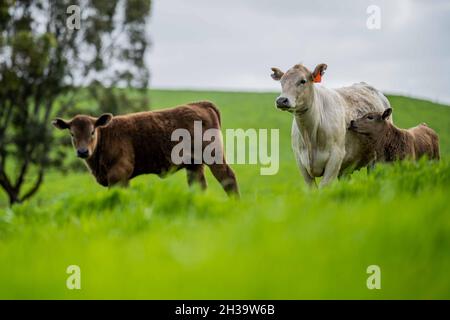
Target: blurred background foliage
[49,68]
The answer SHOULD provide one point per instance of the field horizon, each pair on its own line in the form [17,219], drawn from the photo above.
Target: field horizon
[159,239]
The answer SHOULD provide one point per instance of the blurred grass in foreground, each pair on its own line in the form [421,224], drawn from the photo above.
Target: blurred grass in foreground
[158,239]
[162,240]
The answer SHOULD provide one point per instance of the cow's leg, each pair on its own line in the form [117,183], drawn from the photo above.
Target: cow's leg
[332,168]
[370,167]
[225,175]
[119,174]
[344,176]
[310,181]
[196,174]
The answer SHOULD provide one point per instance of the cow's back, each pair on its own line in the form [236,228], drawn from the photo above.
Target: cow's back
[360,99]
[145,137]
[426,141]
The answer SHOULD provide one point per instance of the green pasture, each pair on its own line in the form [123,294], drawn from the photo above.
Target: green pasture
[158,239]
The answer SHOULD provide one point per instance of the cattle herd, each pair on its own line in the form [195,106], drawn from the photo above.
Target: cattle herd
[334,132]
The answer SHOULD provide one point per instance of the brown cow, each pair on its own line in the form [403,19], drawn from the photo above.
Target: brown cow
[392,143]
[118,148]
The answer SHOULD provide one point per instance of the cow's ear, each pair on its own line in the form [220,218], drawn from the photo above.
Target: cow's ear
[318,72]
[387,113]
[103,120]
[61,124]
[277,74]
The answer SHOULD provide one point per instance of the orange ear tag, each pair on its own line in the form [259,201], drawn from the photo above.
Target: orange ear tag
[317,78]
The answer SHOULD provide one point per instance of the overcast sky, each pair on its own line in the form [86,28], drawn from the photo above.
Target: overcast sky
[231,44]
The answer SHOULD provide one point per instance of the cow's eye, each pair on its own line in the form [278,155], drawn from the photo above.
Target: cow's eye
[92,133]
[370,117]
[300,82]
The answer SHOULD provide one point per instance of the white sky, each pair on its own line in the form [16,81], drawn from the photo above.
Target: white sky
[231,44]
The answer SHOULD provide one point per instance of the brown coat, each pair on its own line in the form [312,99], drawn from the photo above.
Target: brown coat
[398,144]
[391,143]
[122,147]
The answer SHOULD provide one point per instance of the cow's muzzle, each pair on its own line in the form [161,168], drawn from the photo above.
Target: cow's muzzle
[352,125]
[83,153]
[283,103]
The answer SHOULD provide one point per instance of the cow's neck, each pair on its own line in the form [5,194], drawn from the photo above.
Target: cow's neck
[94,160]
[308,120]
[393,143]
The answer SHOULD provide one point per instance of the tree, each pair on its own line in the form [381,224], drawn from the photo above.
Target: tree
[45,56]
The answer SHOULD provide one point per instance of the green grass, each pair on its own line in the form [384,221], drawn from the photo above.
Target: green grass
[159,239]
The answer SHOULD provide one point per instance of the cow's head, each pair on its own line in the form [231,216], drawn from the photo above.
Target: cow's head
[297,86]
[83,130]
[371,124]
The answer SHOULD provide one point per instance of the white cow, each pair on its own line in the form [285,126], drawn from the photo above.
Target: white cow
[322,145]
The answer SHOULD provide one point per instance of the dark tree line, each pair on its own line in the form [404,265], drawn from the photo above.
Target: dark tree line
[45,60]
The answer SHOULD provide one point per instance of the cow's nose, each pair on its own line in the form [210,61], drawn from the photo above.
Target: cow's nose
[282,102]
[82,153]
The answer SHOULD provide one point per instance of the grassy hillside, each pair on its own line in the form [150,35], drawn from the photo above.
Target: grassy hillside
[159,239]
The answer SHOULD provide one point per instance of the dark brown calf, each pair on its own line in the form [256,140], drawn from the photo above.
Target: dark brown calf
[391,143]
[116,149]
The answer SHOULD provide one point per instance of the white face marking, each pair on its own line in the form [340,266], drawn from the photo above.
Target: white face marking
[296,86]
[288,92]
